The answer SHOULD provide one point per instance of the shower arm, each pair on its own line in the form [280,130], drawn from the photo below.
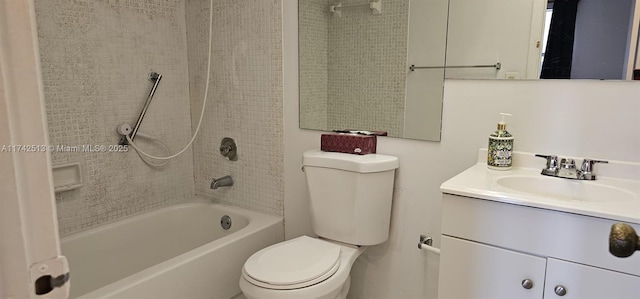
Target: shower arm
[155,78]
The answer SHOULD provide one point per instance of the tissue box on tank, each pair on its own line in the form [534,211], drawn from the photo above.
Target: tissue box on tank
[348,143]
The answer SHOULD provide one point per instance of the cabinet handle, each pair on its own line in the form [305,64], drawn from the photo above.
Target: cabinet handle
[623,240]
[560,290]
[527,283]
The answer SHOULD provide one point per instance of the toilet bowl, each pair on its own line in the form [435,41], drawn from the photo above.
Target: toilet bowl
[350,208]
[304,267]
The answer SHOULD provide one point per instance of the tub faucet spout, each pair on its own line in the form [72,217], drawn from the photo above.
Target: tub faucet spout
[225,181]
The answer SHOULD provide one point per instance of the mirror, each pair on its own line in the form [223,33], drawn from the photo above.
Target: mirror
[588,39]
[356,55]
[353,63]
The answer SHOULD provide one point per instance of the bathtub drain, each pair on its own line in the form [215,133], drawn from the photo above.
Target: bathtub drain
[225,222]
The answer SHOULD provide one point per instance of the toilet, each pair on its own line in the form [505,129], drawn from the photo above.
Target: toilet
[350,204]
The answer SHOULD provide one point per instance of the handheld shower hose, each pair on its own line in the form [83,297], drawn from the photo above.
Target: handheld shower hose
[204,102]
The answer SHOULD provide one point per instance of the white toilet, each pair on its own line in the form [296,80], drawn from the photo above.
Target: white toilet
[350,203]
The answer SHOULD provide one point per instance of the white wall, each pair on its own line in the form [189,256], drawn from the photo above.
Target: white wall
[600,44]
[583,118]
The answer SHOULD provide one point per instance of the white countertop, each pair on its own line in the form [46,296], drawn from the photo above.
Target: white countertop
[480,182]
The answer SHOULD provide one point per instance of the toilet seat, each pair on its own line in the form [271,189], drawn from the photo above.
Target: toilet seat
[293,264]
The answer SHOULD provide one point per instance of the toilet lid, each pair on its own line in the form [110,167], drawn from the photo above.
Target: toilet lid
[293,264]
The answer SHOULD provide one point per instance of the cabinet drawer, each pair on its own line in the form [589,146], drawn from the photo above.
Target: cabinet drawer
[547,233]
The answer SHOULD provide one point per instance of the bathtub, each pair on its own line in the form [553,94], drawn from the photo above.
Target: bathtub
[179,251]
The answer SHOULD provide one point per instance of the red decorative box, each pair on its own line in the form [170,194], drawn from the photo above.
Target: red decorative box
[348,143]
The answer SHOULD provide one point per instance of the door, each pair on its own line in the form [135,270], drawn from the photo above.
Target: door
[474,270]
[566,280]
[30,262]
[490,31]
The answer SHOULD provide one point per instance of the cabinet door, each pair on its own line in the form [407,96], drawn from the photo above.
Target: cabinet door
[472,270]
[585,282]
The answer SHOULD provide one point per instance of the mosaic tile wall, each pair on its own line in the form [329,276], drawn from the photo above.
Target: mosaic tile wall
[96,55]
[367,68]
[245,100]
[314,18]
[352,70]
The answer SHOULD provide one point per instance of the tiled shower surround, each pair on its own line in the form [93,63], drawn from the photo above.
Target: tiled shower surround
[314,18]
[95,58]
[244,103]
[358,69]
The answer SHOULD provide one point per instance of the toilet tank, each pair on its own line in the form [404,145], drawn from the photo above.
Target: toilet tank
[350,195]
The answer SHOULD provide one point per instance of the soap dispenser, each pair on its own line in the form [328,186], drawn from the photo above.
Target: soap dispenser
[500,147]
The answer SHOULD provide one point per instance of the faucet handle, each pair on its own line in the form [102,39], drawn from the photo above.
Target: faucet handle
[552,164]
[587,165]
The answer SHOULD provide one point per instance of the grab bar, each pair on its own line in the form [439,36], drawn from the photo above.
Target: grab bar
[153,77]
[374,5]
[497,66]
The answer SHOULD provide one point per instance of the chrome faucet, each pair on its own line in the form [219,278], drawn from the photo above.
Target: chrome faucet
[567,168]
[586,171]
[225,181]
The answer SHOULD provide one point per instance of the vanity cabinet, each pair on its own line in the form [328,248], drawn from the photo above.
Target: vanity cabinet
[495,250]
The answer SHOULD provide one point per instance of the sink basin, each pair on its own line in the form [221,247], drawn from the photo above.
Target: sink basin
[614,195]
[564,189]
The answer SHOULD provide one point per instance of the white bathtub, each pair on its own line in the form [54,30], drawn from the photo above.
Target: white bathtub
[179,251]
